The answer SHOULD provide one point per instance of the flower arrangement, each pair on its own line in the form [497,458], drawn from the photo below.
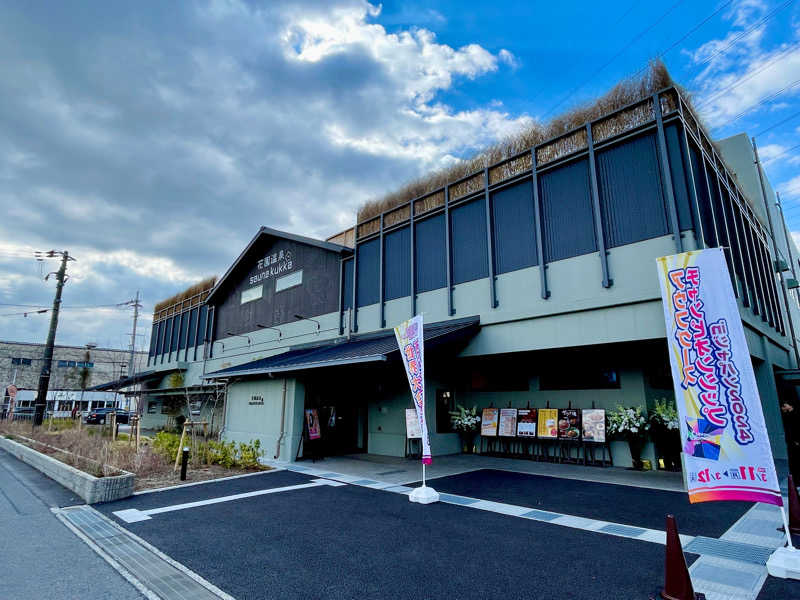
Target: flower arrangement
[664,415]
[629,422]
[465,420]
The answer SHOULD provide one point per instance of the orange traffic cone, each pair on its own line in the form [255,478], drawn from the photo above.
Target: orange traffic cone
[677,582]
[794,508]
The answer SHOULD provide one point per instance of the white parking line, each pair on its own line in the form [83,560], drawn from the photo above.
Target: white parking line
[132,515]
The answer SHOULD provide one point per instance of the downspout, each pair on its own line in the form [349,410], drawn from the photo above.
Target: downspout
[283,420]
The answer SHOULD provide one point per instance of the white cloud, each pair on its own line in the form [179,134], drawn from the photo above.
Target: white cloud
[151,140]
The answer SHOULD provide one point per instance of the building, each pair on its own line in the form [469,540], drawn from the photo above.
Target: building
[74,367]
[536,277]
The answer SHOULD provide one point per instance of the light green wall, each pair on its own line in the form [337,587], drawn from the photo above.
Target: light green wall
[245,422]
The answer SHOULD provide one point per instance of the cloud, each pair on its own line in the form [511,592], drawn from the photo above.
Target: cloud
[741,70]
[152,139]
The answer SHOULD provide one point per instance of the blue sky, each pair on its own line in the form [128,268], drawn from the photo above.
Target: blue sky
[152,139]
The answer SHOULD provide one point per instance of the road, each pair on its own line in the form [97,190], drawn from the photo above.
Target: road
[40,557]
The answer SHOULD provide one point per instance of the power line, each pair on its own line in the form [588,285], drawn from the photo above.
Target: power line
[778,124]
[745,32]
[778,57]
[777,156]
[764,101]
[635,39]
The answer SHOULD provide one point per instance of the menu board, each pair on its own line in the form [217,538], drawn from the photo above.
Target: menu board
[526,422]
[489,422]
[547,423]
[508,422]
[594,425]
[413,432]
[569,424]
[312,421]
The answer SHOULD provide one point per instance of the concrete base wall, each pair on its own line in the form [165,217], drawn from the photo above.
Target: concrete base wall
[91,489]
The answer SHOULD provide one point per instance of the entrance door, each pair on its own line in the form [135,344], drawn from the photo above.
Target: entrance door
[345,428]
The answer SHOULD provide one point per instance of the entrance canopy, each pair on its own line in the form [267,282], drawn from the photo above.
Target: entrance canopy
[374,347]
[124,382]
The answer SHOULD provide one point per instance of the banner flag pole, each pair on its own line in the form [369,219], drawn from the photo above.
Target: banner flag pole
[411,341]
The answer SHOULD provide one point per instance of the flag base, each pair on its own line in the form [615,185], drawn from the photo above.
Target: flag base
[784,563]
[424,495]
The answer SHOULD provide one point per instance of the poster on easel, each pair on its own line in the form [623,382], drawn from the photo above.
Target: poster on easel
[312,424]
[569,424]
[489,419]
[508,422]
[526,422]
[548,419]
[413,430]
[594,425]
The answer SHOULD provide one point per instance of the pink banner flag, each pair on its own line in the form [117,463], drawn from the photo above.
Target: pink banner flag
[412,349]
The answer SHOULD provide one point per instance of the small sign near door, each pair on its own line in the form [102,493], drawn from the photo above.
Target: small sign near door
[312,422]
[413,431]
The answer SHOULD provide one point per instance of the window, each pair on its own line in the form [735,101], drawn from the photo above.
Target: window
[347,300]
[62,364]
[397,263]
[368,276]
[201,326]
[631,196]
[514,228]
[254,293]
[151,407]
[289,281]
[444,404]
[192,335]
[567,214]
[21,361]
[585,378]
[430,254]
[470,258]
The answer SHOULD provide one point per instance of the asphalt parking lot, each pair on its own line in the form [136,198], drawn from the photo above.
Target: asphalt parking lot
[351,541]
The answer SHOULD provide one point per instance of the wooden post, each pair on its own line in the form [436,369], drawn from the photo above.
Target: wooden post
[113,426]
[180,448]
[138,432]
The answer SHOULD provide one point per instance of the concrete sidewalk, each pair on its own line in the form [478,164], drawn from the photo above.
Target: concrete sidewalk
[406,470]
[40,557]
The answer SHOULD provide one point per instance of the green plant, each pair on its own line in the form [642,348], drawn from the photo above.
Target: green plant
[664,415]
[628,422]
[465,420]
[249,454]
[166,444]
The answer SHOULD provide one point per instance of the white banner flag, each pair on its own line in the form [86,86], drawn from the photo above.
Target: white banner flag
[412,349]
[725,442]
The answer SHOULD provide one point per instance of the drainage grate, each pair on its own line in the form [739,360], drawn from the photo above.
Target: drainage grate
[625,530]
[147,568]
[726,549]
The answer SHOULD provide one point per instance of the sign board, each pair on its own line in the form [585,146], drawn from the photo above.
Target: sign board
[723,434]
[413,432]
[411,341]
[526,422]
[569,424]
[312,422]
[594,425]
[548,419]
[508,422]
[489,418]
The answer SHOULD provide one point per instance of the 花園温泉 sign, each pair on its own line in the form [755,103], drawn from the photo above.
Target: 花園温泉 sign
[725,443]
[412,349]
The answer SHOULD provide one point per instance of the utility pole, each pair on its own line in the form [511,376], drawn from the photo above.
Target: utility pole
[136,307]
[47,361]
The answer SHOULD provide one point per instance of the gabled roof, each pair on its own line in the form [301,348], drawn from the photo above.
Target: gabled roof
[268,231]
[375,347]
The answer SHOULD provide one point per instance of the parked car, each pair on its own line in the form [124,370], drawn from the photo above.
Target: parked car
[101,415]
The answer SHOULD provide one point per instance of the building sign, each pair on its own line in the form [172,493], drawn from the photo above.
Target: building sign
[489,418]
[594,425]
[547,422]
[312,423]
[277,263]
[508,422]
[256,400]
[410,340]
[413,432]
[724,437]
[526,422]
[569,424]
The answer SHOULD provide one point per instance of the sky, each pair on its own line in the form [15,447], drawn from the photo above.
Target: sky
[152,139]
